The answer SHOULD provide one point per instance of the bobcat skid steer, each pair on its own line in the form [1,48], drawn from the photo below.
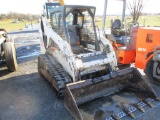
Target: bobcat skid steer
[81,66]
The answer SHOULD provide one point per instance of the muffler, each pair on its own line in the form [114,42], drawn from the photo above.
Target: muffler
[110,97]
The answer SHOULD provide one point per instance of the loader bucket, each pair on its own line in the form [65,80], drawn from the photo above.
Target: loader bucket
[123,95]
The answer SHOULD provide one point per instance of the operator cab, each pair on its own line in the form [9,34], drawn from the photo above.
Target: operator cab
[75,24]
[48,7]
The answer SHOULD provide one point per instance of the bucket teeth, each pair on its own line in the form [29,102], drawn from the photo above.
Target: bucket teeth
[115,117]
[129,113]
[148,103]
[139,108]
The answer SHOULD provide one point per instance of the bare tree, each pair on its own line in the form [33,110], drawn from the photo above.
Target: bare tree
[135,7]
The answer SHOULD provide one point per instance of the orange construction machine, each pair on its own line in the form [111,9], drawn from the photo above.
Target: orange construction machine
[141,46]
[148,52]
[134,44]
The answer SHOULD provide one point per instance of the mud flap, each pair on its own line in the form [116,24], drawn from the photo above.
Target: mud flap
[110,97]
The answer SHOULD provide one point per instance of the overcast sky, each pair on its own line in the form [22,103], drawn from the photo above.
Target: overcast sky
[35,6]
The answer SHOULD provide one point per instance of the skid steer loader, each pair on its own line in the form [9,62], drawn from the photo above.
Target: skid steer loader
[81,65]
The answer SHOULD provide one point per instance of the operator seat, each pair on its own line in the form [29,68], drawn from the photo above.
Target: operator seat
[118,32]
[74,39]
[116,29]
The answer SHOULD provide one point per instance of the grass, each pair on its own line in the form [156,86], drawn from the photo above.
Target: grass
[147,20]
[9,26]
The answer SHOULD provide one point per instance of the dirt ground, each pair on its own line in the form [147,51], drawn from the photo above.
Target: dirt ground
[24,95]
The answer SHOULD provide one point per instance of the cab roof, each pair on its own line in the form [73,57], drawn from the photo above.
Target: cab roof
[67,8]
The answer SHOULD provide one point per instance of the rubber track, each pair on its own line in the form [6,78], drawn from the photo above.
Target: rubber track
[57,72]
